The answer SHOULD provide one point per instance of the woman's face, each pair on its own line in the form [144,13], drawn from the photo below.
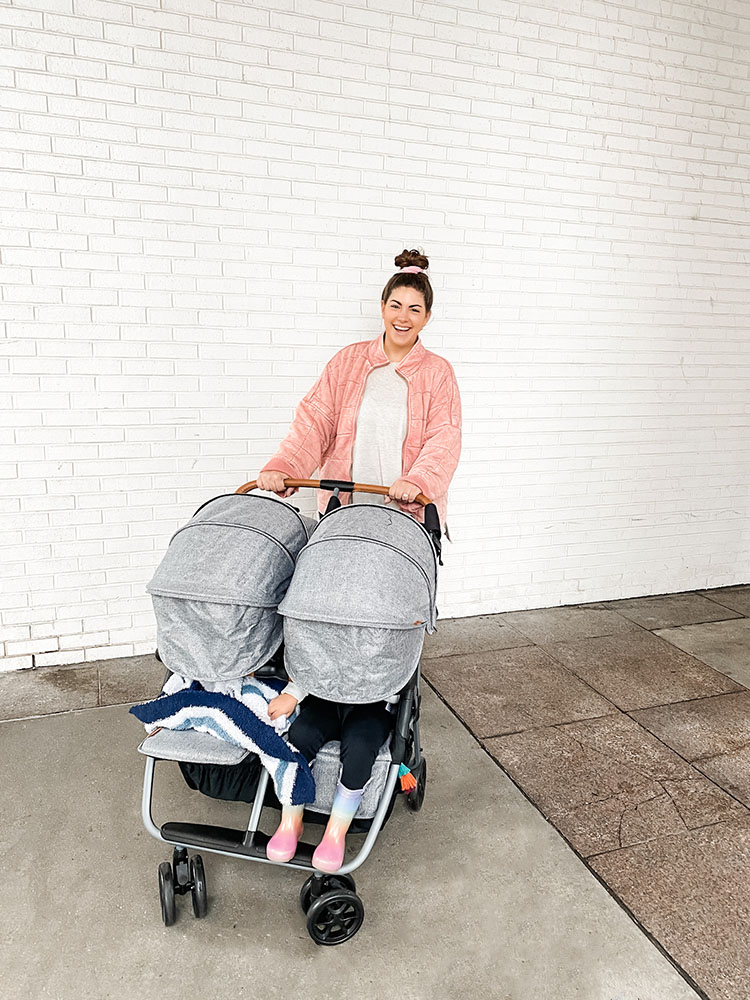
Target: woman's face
[404,317]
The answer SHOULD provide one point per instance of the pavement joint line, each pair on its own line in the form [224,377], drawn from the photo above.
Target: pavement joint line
[644,930]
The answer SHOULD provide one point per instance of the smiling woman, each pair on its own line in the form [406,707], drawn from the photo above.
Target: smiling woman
[383,411]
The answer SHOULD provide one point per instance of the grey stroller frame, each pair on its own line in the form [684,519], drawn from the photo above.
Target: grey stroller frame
[333,909]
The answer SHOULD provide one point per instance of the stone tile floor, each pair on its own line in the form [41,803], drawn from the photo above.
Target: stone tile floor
[627,723]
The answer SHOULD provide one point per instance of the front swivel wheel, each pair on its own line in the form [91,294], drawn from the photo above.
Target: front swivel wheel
[166,894]
[335,917]
[198,883]
[319,884]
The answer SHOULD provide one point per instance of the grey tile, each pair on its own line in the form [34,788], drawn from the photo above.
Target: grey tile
[702,728]
[730,771]
[725,646]
[544,625]
[639,670]
[691,893]
[736,598]
[474,896]
[132,678]
[47,690]
[513,689]
[471,635]
[607,783]
[668,610]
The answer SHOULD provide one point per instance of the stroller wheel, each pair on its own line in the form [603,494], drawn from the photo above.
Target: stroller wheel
[415,797]
[166,893]
[327,882]
[198,892]
[180,871]
[335,917]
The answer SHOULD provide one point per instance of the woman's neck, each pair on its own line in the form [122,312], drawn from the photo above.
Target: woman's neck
[396,354]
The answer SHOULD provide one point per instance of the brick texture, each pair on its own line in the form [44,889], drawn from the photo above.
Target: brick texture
[201,203]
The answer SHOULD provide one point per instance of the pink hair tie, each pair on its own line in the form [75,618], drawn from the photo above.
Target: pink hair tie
[412,270]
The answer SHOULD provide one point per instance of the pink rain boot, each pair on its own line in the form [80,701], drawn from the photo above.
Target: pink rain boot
[283,845]
[329,854]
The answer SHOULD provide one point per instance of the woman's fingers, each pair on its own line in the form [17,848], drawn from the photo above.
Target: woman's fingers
[404,491]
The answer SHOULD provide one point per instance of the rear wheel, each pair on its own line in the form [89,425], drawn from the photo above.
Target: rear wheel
[415,797]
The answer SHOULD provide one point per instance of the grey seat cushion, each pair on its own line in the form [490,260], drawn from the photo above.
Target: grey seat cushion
[326,770]
[191,745]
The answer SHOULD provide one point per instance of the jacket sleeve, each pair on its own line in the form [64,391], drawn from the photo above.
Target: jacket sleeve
[438,458]
[311,433]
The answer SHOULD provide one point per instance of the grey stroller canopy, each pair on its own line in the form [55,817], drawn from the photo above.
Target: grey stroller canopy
[358,606]
[218,587]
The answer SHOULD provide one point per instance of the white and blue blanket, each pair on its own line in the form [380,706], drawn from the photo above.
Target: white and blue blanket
[240,718]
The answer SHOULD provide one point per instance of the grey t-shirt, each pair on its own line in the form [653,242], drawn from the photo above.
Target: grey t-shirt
[381,429]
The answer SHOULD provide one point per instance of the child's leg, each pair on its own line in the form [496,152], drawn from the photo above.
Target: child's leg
[364,730]
[315,725]
[283,845]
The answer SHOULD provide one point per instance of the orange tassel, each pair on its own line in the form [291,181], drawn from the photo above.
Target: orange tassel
[408,781]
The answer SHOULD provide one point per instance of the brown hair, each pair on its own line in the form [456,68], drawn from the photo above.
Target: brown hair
[410,258]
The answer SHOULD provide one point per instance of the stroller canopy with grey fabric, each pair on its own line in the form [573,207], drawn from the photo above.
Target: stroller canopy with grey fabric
[216,591]
[356,611]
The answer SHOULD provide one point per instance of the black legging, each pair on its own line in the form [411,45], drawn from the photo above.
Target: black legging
[362,730]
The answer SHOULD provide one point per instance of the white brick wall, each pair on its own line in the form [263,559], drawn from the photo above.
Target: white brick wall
[201,202]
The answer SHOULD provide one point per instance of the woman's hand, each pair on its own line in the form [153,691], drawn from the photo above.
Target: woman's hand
[273,481]
[283,704]
[404,491]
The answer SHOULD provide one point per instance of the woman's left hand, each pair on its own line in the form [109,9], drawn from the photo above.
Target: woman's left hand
[404,491]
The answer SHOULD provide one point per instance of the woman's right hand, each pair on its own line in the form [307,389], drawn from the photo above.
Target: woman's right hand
[273,481]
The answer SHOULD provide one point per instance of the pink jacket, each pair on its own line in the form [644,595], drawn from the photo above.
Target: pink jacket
[324,427]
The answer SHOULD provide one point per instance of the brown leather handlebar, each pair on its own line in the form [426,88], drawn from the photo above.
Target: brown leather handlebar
[315,484]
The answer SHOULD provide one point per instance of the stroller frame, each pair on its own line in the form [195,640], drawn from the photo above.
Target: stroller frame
[250,843]
[333,909]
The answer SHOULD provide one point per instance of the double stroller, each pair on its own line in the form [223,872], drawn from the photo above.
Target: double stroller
[249,585]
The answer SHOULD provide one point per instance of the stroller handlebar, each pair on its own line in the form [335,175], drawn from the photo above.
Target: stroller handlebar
[344,486]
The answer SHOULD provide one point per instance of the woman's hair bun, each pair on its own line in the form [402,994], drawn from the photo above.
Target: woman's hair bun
[412,258]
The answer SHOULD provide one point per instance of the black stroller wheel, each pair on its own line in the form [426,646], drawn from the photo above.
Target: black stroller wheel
[198,892]
[329,882]
[166,894]
[415,797]
[335,917]
[180,869]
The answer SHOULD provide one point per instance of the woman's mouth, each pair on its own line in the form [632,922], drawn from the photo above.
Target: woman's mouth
[401,329]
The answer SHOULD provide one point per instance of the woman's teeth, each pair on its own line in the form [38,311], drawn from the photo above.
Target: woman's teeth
[401,329]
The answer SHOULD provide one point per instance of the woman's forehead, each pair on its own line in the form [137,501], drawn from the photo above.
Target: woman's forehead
[405,295]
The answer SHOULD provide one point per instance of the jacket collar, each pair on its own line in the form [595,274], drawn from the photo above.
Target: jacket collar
[407,366]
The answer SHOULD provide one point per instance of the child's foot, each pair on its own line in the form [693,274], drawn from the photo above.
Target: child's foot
[283,845]
[329,854]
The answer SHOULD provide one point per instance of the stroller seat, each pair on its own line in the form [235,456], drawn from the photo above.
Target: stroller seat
[192,747]
[326,769]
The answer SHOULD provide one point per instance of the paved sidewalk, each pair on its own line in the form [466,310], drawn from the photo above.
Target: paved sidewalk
[627,723]
[475,896]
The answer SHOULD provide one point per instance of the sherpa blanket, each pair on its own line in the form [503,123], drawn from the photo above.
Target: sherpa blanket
[240,718]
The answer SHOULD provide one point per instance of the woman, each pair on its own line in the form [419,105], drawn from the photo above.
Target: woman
[383,411]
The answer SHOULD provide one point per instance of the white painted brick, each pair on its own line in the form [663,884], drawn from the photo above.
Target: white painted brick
[16,663]
[150,208]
